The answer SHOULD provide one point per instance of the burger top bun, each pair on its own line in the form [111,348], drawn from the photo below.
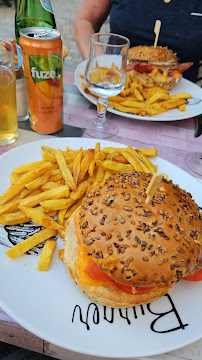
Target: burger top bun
[157,55]
[140,244]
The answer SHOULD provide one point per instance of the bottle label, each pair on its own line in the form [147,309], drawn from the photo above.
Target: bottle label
[43,68]
[47,5]
[19,56]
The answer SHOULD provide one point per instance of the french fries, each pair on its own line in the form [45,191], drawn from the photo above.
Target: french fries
[149,152]
[14,218]
[55,193]
[61,254]
[35,184]
[75,195]
[29,243]
[41,219]
[149,166]
[99,174]
[27,167]
[65,170]
[46,255]
[112,165]
[14,178]
[133,160]
[9,207]
[56,204]
[77,166]
[93,163]
[137,99]
[31,175]
[61,215]
[85,163]
[73,208]
[48,192]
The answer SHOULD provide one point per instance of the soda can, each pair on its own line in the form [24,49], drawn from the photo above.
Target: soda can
[41,50]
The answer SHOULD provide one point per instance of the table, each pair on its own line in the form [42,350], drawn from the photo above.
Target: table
[173,141]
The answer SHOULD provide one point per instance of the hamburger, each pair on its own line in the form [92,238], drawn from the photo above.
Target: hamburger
[122,252]
[155,66]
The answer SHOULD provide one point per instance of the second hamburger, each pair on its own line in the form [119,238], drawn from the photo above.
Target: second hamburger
[156,66]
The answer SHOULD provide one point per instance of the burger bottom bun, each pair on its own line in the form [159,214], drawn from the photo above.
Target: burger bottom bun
[149,82]
[108,295]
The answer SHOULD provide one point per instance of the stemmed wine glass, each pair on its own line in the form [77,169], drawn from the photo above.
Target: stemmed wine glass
[194,159]
[105,76]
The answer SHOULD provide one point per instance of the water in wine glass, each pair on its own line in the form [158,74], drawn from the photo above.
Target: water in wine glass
[105,76]
[104,81]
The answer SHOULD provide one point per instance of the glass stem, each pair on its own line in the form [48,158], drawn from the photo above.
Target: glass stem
[102,105]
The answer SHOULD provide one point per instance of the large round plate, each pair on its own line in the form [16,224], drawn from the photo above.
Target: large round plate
[184,86]
[50,306]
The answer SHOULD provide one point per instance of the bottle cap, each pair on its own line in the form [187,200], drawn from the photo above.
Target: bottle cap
[18,72]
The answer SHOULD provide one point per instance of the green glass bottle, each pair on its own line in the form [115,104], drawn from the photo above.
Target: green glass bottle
[31,13]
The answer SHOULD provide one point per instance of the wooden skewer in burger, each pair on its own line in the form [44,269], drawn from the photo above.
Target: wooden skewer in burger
[121,251]
[157,28]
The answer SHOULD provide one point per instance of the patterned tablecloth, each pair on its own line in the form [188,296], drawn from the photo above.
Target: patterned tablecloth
[172,139]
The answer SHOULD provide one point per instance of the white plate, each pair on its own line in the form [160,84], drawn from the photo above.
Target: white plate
[171,115]
[44,303]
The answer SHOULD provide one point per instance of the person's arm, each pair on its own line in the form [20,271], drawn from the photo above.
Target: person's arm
[88,20]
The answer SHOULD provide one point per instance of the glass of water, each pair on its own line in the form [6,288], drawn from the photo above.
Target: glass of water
[105,76]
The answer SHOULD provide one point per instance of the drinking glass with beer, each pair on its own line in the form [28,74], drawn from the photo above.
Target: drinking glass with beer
[8,112]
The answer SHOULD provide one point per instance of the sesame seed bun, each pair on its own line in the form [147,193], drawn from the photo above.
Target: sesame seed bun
[155,55]
[136,244]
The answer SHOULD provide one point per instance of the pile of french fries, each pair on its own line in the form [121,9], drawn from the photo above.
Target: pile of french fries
[48,191]
[140,100]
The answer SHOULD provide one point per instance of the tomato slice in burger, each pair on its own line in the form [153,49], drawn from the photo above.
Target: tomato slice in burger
[125,288]
[95,273]
[128,289]
[143,68]
[195,277]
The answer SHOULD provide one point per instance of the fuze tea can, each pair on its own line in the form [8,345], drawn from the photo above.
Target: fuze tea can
[41,50]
